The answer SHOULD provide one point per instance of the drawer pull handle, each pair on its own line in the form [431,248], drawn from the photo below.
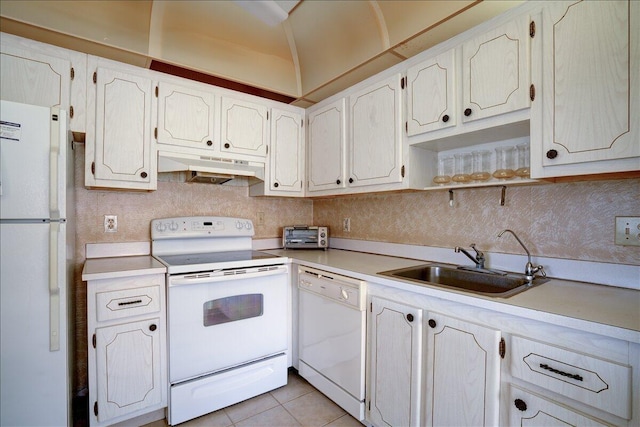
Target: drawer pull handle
[137,301]
[564,374]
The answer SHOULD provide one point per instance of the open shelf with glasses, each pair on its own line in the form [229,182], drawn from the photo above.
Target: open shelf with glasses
[459,167]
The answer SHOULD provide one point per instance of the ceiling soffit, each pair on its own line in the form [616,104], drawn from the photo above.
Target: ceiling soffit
[321,48]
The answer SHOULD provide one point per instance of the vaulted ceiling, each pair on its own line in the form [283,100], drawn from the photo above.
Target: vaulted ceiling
[318,48]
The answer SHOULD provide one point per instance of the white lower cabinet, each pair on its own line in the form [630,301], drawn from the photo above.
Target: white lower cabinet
[530,410]
[434,362]
[127,348]
[462,373]
[395,364]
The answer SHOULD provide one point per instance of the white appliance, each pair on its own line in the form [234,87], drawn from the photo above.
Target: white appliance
[332,336]
[228,311]
[36,272]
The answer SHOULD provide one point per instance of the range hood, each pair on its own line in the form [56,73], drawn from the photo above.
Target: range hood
[214,170]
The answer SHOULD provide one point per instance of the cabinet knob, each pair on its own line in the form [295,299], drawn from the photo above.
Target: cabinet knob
[275,184]
[552,154]
[520,404]
[350,180]
[432,323]
[153,327]
[209,143]
[226,145]
[338,181]
[410,317]
[445,118]
[143,174]
[467,112]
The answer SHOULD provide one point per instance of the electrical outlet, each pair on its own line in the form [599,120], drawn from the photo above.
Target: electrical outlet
[110,223]
[346,224]
[628,230]
[260,218]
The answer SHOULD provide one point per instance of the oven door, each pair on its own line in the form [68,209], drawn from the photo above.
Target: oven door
[226,318]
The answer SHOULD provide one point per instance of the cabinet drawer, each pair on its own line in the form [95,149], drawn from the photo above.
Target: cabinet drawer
[526,408]
[127,302]
[599,383]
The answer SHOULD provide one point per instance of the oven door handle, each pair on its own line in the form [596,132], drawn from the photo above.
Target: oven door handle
[224,276]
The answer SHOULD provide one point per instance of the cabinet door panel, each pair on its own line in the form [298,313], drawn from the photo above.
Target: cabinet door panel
[327,138]
[463,373]
[244,127]
[375,155]
[287,158]
[123,127]
[128,368]
[430,95]
[591,85]
[186,117]
[35,79]
[495,71]
[395,359]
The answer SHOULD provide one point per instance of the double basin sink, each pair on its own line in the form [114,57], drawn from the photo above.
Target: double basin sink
[484,282]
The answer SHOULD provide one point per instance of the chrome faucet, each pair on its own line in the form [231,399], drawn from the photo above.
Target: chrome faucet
[530,270]
[478,259]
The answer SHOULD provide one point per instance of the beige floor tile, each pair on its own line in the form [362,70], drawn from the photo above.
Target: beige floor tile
[214,419]
[314,409]
[251,407]
[296,387]
[345,421]
[275,417]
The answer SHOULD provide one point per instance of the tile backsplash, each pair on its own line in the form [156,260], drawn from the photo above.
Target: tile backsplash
[570,221]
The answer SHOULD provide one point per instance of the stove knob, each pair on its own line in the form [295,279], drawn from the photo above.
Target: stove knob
[238,225]
[248,225]
[174,226]
[161,227]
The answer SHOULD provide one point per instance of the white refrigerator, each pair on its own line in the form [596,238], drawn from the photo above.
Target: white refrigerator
[36,270]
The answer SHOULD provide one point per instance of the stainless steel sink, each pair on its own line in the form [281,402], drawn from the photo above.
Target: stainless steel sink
[501,285]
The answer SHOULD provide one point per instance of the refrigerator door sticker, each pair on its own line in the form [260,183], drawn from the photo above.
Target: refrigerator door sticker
[10,131]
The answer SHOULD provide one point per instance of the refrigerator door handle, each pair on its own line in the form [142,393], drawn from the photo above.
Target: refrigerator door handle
[54,288]
[54,160]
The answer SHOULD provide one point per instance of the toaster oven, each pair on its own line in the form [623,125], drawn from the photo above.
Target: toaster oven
[305,237]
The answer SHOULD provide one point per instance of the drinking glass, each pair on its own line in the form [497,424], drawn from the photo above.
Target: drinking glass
[462,167]
[445,170]
[481,165]
[523,161]
[504,163]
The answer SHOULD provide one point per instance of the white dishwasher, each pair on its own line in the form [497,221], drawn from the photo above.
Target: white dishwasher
[332,336]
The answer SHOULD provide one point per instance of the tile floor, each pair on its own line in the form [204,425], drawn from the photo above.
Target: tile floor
[296,404]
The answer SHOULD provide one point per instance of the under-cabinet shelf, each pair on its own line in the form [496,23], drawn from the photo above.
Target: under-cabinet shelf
[491,183]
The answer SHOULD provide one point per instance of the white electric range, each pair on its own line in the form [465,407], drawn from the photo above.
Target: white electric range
[227,309]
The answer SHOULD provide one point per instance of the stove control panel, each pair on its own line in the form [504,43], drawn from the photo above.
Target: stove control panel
[200,226]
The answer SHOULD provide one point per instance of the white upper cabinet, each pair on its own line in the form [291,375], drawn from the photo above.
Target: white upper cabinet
[375,134]
[286,160]
[39,74]
[589,72]
[120,151]
[495,71]
[186,117]
[430,94]
[245,128]
[326,146]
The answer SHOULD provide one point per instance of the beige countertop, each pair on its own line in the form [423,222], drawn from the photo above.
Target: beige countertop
[126,266]
[605,310]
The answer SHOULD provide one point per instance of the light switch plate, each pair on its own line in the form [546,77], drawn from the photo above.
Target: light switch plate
[628,230]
